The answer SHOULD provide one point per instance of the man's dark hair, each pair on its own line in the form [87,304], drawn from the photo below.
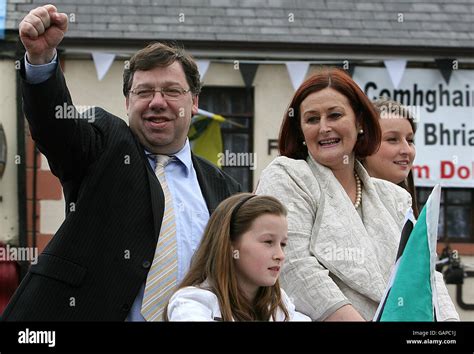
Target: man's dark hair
[162,55]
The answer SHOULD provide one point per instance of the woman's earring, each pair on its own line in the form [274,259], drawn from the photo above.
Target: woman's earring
[304,143]
[361,131]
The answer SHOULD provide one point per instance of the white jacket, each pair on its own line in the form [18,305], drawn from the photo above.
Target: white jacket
[198,304]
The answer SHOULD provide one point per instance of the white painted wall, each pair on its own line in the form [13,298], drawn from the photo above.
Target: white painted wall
[223,74]
[87,90]
[273,92]
[8,184]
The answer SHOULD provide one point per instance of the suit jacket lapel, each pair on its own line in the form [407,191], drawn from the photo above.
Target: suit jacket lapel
[157,196]
[213,185]
[157,200]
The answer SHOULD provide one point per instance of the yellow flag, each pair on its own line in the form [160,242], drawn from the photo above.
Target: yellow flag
[206,139]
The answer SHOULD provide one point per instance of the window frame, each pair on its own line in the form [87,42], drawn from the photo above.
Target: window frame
[445,204]
[249,114]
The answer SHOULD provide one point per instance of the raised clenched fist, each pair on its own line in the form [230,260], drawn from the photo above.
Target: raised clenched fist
[41,31]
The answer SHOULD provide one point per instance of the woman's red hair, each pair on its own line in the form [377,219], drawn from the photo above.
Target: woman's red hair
[290,142]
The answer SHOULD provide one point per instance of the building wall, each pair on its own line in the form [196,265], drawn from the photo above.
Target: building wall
[222,74]
[8,184]
[87,90]
[273,92]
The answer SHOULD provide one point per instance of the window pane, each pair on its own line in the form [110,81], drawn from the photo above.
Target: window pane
[457,221]
[423,194]
[235,104]
[238,160]
[225,100]
[236,142]
[242,175]
[441,233]
[458,196]
[244,123]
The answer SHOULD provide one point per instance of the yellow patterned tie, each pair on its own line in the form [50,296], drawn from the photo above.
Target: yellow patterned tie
[162,277]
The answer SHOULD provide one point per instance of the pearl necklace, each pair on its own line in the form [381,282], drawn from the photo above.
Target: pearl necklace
[358,191]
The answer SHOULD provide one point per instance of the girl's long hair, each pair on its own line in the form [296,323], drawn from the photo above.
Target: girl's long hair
[214,261]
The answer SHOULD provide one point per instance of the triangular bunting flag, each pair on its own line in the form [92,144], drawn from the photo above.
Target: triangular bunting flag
[445,66]
[411,293]
[248,72]
[297,71]
[102,62]
[396,69]
[203,65]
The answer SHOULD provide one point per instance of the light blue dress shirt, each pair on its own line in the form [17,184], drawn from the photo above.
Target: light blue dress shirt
[39,73]
[191,213]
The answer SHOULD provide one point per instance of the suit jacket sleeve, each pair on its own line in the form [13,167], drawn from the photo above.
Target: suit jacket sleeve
[70,144]
[305,280]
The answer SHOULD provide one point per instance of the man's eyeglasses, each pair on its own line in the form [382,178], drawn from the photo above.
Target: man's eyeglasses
[168,93]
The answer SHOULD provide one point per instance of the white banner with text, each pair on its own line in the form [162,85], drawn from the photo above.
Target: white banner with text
[445,116]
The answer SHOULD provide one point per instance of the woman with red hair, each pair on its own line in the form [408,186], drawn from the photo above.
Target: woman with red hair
[343,226]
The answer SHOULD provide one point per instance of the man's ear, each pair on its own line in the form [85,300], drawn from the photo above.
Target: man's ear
[194,109]
[127,102]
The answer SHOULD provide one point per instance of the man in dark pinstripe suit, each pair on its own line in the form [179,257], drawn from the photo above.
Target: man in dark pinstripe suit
[96,265]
